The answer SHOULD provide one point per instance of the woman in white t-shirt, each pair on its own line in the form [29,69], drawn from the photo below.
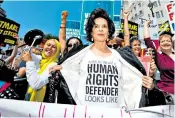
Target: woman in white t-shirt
[98,75]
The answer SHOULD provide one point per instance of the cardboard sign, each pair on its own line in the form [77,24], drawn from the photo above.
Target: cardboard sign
[169,8]
[133,28]
[8,29]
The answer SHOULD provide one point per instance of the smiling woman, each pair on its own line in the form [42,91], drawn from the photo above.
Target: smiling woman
[37,69]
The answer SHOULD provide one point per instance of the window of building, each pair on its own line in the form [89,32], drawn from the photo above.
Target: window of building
[157,14]
[159,2]
[134,8]
[162,13]
[140,12]
[139,5]
[149,15]
[155,3]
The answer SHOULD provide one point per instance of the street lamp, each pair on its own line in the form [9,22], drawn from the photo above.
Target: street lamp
[150,5]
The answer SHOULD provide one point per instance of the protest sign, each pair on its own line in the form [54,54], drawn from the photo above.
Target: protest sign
[165,27]
[169,8]
[15,108]
[133,28]
[8,29]
[72,29]
[153,28]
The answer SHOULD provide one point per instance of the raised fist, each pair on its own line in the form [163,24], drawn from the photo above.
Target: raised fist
[64,15]
[126,13]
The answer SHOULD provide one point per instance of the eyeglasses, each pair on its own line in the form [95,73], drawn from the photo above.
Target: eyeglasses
[114,46]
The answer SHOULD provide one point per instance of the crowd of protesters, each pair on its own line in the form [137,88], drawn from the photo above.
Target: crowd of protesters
[68,72]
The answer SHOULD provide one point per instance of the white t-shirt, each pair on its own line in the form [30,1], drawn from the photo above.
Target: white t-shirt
[101,85]
[79,75]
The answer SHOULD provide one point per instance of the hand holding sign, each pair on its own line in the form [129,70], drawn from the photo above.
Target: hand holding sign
[64,15]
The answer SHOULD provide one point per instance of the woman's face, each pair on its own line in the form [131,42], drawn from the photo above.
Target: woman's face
[136,47]
[100,30]
[49,48]
[72,43]
[165,44]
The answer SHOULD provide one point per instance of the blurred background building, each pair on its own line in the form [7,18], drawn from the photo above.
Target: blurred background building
[141,9]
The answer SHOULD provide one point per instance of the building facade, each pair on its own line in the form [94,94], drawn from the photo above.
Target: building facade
[139,9]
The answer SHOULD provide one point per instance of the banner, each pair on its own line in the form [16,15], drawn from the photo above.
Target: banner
[8,29]
[171,13]
[15,108]
[133,28]
[72,29]
[153,28]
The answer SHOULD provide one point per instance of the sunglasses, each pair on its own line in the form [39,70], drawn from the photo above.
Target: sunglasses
[114,46]
[72,45]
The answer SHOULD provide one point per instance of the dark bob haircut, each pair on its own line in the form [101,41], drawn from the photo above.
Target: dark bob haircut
[132,39]
[98,13]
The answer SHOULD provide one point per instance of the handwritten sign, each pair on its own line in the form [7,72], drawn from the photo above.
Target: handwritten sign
[15,108]
[153,28]
[169,8]
[8,29]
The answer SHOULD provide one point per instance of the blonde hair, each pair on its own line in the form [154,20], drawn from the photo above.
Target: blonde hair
[166,36]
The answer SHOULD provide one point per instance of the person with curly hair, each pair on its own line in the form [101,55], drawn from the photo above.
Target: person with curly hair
[96,75]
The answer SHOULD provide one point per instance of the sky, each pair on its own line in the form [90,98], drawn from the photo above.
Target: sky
[45,15]
[41,15]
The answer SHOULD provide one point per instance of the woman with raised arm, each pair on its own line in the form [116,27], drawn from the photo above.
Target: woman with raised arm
[62,31]
[71,43]
[164,61]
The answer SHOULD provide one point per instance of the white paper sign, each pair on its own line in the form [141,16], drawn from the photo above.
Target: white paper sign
[153,28]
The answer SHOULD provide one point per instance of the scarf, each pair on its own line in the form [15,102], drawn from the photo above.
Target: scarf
[38,95]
